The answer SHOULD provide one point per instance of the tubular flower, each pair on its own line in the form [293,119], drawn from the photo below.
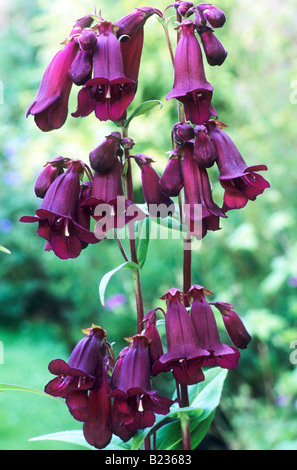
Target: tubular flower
[184,355]
[190,84]
[241,183]
[207,331]
[110,91]
[97,427]
[135,403]
[57,215]
[201,213]
[50,107]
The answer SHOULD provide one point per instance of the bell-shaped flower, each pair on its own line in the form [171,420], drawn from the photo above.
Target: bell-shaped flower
[201,212]
[79,373]
[56,217]
[236,330]
[207,331]
[135,403]
[190,84]
[50,107]
[241,183]
[110,91]
[184,354]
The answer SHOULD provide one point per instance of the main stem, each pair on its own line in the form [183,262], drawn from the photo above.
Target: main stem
[129,192]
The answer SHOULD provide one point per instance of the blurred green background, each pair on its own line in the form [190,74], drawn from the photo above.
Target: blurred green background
[251,262]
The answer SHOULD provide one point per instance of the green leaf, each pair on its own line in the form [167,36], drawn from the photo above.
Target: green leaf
[142,228]
[77,437]
[20,388]
[142,109]
[71,437]
[106,278]
[5,250]
[171,223]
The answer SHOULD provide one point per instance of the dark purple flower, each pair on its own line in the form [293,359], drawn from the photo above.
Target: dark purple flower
[201,213]
[58,212]
[207,332]
[135,403]
[234,325]
[190,84]
[79,373]
[97,427]
[159,204]
[50,107]
[241,183]
[110,91]
[184,355]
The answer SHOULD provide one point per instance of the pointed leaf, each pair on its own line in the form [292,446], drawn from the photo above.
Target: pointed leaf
[106,278]
[142,109]
[20,388]
[77,437]
[5,250]
[142,228]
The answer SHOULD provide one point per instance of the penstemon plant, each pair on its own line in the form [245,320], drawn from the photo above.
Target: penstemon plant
[113,396]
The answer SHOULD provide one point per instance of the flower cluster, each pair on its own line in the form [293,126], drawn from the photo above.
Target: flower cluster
[193,339]
[201,142]
[115,396]
[104,60]
[108,396]
[69,201]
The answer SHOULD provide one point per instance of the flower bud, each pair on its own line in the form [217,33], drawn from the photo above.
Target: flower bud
[214,16]
[51,171]
[204,150]
[81,68]
[130,23]
[102,157]
[87,40]
[213,48]
[183,7]
[183,132]
[234,325]
[171,182]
